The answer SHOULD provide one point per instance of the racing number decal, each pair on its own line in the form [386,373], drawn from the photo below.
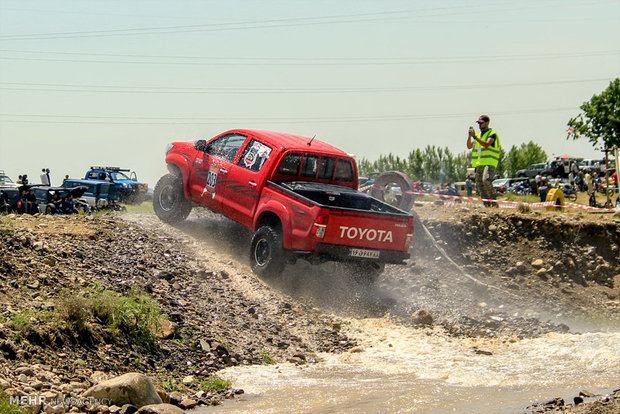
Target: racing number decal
[211,181]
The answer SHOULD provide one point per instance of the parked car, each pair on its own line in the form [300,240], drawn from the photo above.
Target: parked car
[45,197]
[130,191]
[10,200]
[5,180]
[532,171]
[98,194]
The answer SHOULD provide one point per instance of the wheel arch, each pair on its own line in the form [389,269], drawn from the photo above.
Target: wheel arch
[270,216]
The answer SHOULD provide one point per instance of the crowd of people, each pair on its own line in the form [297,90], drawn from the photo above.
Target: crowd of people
[54,201]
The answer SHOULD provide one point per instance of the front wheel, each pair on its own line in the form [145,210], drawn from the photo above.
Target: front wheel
[267,253]
[169,201]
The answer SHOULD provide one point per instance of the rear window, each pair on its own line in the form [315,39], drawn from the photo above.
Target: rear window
[344,170]
[290,164]
[310,165]
[316,166]
[326,168]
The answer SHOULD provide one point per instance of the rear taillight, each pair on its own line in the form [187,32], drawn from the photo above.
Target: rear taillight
[409,240]
[319,227]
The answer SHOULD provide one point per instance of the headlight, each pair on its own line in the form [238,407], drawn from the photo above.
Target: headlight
[125,185]
[168,147]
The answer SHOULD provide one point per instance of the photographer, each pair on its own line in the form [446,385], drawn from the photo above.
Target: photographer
[485,154]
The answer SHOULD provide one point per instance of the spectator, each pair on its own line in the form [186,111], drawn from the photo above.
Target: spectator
[469,185]
[45,178]
[56,203]
[589,183]
[543,189]
[69,205]
[25,179]
[32,206]
[19,180]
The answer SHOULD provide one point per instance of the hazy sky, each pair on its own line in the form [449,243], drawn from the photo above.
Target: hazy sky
[111,82]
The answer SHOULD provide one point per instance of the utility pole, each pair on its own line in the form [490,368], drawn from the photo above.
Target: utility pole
[607,187]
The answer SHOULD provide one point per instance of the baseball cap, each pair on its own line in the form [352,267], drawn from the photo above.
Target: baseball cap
[483,118]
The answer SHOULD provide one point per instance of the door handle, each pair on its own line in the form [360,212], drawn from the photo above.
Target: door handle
[223,170]
[252,183]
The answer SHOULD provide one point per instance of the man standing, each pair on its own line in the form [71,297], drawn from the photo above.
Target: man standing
[45,178]
[485,148]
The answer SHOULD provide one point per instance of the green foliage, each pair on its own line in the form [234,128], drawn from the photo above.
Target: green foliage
[6,407]
[267,359]
[145,207]
[433,163]
[522,157]
[170,385]
[77,311]
[214,384]
[600,120]
[22,321]
[136,316]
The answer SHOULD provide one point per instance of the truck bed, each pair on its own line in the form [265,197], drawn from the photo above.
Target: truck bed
[335,196]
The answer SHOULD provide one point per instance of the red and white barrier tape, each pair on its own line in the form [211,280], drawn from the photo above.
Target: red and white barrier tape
[502,203]
[513,204]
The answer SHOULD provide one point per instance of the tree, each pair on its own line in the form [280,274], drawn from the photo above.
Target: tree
[600,120]
[524,156]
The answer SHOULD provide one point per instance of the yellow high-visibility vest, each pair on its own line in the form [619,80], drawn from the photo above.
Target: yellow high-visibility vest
[486,156]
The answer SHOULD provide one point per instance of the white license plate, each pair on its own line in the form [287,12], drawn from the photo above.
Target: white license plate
[370,254]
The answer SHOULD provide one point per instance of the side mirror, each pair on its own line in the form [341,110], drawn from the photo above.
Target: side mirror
[201,145]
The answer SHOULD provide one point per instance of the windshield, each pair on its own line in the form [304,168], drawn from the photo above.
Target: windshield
[118,176]
[501,181]
[5,179]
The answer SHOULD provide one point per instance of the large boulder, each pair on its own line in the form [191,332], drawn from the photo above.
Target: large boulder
[160,409]
[132,388]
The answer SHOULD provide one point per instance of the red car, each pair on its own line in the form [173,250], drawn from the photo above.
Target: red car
[297,195]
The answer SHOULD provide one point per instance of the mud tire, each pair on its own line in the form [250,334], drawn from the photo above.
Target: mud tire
[169,200]
[403,201]
[267,256]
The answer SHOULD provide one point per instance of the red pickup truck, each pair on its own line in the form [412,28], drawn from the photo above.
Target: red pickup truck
[297,195]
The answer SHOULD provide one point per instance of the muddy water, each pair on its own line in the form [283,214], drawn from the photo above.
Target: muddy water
[401,369]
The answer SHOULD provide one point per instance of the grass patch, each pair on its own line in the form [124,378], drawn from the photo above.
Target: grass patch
[214,384]
[170,385]
[144,207]
[6,407]
[267,358]
[136,316]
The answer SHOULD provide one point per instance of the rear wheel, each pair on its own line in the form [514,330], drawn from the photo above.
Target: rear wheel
[267,253]
[169,201]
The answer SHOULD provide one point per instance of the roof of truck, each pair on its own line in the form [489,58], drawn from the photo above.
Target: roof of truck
[289,141]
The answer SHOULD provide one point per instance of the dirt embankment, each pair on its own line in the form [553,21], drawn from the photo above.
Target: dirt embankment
[570,263]
[81,298]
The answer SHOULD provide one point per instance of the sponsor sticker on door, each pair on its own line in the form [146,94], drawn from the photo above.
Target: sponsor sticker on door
[211,181]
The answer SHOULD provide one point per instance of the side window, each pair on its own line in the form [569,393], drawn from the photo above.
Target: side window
[255,155]
[344,170]
[226,147]
[310,165]
[326,168]
[290,164]
[92,175]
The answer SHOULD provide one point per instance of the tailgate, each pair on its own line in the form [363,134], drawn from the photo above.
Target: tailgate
[368,230]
